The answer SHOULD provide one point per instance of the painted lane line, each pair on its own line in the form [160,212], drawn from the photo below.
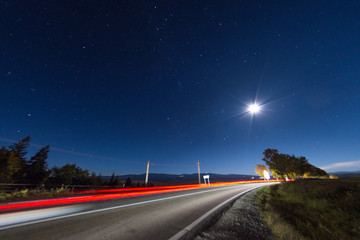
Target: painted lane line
[112,208]
[187,229]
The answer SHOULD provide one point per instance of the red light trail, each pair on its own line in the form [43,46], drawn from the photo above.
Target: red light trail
[120,193]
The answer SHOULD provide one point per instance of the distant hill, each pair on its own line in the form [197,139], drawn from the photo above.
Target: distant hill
[185,178]
[346,174]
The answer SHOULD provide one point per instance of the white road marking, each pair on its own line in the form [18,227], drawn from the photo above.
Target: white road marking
[112,208]
[187,229]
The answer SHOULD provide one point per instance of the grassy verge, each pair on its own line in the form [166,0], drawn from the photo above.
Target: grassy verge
[32,194]
[316,209]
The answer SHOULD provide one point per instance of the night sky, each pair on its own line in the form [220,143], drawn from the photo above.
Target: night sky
[110,85]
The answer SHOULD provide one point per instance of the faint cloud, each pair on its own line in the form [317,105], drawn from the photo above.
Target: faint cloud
[341,165]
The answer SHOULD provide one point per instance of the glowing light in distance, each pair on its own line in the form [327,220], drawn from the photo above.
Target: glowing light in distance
[253,108]
[266,175]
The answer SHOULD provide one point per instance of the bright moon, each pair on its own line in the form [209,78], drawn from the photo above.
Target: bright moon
[254,108]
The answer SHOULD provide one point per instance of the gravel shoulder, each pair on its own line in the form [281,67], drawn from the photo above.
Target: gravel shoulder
[240,221]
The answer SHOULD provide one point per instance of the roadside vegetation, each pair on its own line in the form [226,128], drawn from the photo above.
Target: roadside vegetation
[16,168]
[288,166]
[312,209]
[30,178]
[28,194]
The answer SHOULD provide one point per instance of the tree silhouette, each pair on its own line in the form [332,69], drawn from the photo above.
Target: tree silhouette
[112,179]
[128,182]
[15,168]
[117,181]
[95,180]
[70,174]
[20,151]
[275,162]
[37,172]
[291,166]
[9,165]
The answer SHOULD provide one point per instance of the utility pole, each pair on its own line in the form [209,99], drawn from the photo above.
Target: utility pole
[198,163]
[147,173]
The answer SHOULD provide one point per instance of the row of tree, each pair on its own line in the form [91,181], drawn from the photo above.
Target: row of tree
[15,168]
[284,165]
[70,174]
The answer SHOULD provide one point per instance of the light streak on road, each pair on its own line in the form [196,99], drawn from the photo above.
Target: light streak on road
[33,215]
[111,194]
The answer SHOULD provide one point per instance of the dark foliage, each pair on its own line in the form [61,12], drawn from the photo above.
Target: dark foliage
[70,174]
[284,165]
[36,170]
[15,168]
[128,182]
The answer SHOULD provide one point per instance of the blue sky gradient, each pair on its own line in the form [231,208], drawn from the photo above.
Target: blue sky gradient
[110,85]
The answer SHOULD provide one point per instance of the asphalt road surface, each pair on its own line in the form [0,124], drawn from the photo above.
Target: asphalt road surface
[174,215]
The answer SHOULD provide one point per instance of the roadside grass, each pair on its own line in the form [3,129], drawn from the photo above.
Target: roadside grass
[312,209]
[29,194]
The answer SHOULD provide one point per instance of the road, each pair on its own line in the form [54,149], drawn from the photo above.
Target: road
[171,215]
